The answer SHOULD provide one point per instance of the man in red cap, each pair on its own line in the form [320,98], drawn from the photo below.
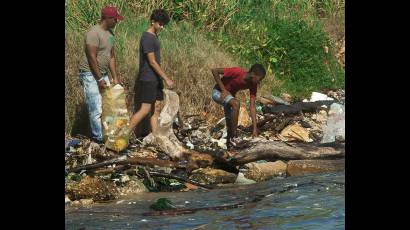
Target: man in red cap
[98,58]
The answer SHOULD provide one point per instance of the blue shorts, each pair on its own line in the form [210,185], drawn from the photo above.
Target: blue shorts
[216,96]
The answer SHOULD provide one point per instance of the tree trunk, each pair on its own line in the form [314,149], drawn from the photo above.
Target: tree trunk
[296,108]
[276,150]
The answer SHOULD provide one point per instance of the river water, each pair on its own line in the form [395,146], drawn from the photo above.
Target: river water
[314,201]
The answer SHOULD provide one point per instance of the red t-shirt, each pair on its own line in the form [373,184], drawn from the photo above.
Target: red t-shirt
[233,81]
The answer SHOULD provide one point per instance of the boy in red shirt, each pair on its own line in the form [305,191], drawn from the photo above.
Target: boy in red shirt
[223,93]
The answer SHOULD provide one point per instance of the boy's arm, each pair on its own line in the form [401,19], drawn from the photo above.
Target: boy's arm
[216,72]
[157,68]
[252,109]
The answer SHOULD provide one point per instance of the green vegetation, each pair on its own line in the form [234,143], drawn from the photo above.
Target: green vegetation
[287,36]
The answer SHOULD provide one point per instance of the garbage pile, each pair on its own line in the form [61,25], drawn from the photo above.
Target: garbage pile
[114,179]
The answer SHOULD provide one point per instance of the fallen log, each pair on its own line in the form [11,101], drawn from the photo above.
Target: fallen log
[98,165]
[131,161]
[106,171]
[276,150]
[296,107]
[152,162]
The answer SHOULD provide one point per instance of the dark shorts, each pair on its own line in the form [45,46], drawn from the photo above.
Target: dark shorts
[150,91]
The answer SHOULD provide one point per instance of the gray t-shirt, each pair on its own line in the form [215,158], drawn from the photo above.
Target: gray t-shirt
[149,43]
[104,40]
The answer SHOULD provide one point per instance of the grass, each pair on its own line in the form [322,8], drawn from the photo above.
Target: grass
[287,36]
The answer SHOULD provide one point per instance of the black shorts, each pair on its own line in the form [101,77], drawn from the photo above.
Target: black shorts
[150,91]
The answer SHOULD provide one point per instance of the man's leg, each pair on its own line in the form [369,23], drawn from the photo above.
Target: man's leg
[228,121]
[235,105]
[138,116]
[216,96]
[94,104]
[155,116]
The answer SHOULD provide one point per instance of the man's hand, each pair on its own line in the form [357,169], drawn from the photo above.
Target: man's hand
[224,93]
[169,83]
[116,81]
[255,132]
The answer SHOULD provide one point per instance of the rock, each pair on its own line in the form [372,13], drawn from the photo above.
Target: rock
[92,188]
[302,167]
[190,187]
[241,179]
[212,176]
[86,202]
[295,132]
[76,202]
[265,171]
[132,187]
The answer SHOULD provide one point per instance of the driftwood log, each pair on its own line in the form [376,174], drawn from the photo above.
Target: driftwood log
[277,150]
[130,161]
[98,165]
[296,107]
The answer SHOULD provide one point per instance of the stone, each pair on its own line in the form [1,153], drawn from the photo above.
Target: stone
[93,188]
[212,176]
[303,167]
[265,171]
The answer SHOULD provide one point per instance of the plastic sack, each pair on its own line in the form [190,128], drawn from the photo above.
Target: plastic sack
[335,125]
[114,118]
[164,138]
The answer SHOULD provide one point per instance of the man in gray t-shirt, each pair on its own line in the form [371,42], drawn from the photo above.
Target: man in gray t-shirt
[98,58]
[149,84]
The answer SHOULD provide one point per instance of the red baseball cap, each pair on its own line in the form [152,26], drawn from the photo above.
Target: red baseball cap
[111,11]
